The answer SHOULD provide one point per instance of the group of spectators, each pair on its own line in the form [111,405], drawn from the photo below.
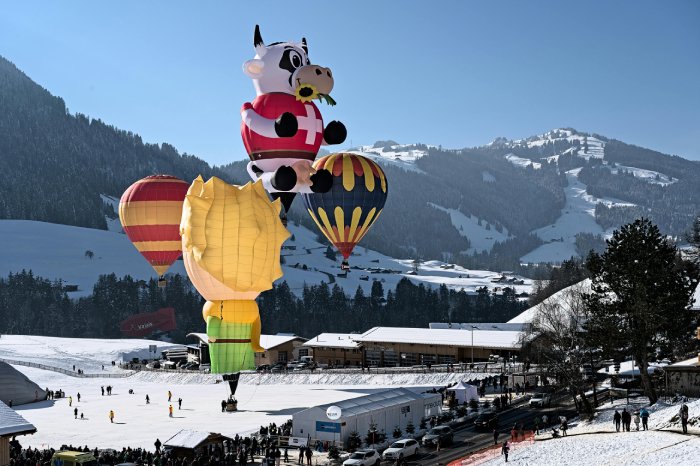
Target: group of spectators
[237,451]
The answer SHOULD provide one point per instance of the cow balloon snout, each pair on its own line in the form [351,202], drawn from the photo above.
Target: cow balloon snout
[318,76]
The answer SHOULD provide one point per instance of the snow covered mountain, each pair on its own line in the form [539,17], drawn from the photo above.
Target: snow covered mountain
[538,199]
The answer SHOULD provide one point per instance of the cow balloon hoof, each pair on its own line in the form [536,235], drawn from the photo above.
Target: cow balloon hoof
[321,182]
[286,125]
[285,179]
[335,133]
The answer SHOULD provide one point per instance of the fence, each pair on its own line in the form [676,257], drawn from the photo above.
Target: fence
[107,375]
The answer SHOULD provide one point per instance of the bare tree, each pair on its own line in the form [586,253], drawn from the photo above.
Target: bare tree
[555,342]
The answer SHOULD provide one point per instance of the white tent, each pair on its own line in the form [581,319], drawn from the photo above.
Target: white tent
[464,392]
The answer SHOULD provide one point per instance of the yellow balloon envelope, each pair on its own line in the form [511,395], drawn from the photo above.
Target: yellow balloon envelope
[231,242]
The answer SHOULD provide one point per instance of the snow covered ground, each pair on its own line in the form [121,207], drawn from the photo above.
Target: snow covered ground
[263,398]
[597,443]
[397,155]
[577,216]
[521,162]
[480,238]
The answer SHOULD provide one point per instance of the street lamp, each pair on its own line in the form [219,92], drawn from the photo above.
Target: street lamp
[473,327]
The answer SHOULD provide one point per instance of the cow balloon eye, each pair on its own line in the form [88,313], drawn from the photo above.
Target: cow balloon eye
[296,59]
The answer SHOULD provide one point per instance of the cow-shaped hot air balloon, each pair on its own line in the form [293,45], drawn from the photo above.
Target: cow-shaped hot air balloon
[150,211]
[282,128]
[346,212]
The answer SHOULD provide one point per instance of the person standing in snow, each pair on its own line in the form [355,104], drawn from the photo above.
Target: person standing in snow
[75,413]
[636,419]
[645,418]
[495,436]
[564,425]
[504,450]
[70,401]
[309,453]
[148,399]
[537,425]
[103,390]
[111,416]
[170,396]
[301,454]
[617,419]
[170,410]
[157,444]
[78,397]
[683,414]
[179,403]
[626,420]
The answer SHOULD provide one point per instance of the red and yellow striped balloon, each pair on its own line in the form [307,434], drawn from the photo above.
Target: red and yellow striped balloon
[150,212]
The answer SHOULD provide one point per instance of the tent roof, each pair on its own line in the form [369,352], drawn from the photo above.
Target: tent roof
[373,402]
[188,439]
[11,423]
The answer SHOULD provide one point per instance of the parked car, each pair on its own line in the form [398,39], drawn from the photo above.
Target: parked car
[443,433]
[486,421]
[363,458]
[540,400]
[153,365]
[401,449]
[263,368]
[278,367]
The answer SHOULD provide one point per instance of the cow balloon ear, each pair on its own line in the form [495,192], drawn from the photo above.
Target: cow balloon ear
[253,68]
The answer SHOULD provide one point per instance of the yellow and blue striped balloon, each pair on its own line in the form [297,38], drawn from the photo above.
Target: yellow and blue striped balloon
[346,212]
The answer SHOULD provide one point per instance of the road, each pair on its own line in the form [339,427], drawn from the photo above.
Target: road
[467,440]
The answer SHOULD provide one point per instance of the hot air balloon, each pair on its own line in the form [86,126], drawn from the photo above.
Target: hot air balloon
[231,242]
[346,212]
[150,212]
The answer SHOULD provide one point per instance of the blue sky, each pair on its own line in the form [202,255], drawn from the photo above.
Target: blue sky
[456,73]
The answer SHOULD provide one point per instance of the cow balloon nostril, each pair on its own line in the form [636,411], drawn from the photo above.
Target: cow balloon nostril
[306,91]
[329,73]
[318,72]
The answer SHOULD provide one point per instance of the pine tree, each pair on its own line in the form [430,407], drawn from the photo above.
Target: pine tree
[641,298]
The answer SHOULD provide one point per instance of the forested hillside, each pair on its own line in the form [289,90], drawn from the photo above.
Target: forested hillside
[55,165]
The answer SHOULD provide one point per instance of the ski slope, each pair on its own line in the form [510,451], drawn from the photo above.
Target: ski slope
[577,216]
[480,238]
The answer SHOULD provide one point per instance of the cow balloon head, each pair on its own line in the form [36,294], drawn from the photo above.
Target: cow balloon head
[285,67]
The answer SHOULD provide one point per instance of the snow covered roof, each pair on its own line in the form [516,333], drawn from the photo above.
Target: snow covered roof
[333,340]
[696,295]
[12,423]
[515,327]
[629,369]
[200,336]
[266,341]
[692,362]
[431,336]
[272,341]
[188,439]
[560,298]
[373,402]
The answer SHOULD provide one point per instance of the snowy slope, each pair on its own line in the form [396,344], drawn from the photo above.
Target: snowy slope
[577,216]
[521,162]
[58,252]
[597,443]
[397,155]
[480,238]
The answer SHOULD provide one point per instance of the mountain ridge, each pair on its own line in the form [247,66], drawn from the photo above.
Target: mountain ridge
[443,203]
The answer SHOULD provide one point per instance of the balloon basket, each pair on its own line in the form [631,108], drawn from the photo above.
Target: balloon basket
[231,406]
[162,282]
[345,266]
